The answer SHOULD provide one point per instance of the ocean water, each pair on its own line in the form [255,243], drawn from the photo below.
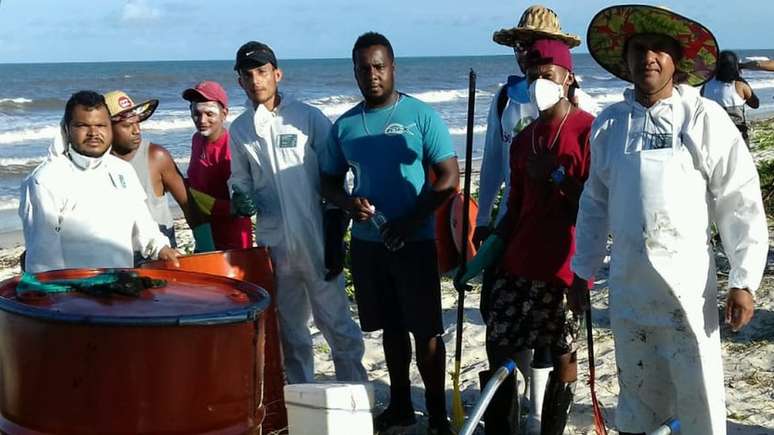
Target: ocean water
[33,96]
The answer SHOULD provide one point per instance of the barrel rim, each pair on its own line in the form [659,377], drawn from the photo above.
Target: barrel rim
[224,252]
[261,302]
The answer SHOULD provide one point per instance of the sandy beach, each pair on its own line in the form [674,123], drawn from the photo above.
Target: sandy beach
[748,355]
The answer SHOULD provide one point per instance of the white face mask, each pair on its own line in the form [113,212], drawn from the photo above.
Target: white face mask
[545,93]
[85,162]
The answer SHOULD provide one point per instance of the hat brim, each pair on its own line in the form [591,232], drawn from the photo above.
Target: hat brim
[250,63]
[196,96]
[509,37]
[143,111]
[612,27]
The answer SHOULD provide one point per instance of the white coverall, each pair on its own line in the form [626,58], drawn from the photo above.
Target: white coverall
[274,159]
[659,178]
[495,165]
[83,218]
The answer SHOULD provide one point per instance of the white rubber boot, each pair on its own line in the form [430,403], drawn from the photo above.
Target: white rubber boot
[524,363]
[538,379]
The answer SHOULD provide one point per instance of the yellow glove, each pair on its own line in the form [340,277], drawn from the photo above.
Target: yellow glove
[203,201]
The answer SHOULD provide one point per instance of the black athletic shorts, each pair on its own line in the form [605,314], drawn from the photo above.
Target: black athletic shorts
[398,290]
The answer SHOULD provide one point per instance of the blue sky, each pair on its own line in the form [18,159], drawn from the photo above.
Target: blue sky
[106,30]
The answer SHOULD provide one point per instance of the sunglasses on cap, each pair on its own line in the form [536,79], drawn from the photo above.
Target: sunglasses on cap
[128,115]
[142,112]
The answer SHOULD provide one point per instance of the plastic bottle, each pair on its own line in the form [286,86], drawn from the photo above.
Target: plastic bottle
[671,426]
[378,220]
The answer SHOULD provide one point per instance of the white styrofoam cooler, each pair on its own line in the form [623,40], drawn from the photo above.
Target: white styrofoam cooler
[329,409]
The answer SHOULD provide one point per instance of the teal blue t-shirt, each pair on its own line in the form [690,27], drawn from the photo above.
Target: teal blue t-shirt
[388,150]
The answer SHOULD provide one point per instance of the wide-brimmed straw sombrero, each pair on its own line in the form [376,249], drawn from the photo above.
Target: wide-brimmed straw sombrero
[612,27]
[121,106]
[537,22]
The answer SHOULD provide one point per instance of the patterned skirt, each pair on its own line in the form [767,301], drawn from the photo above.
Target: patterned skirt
[526,314]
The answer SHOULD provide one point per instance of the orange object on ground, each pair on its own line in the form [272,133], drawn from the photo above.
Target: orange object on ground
[252,265]
[180,359]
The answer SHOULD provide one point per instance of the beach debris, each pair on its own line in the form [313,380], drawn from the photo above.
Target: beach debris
[105,284]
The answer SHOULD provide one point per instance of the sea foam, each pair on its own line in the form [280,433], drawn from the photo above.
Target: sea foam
[457,131]
[15,101]
[447,96]
[761,83]
[29,134]
[8,203]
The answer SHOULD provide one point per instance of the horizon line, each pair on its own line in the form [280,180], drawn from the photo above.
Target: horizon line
[290,58]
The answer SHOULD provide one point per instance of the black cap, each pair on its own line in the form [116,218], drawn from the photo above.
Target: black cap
[254,54]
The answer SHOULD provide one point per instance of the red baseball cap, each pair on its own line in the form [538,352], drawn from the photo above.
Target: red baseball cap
[549,51]
[207,90]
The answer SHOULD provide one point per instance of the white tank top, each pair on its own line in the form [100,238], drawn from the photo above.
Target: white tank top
[158,205]
[723,93]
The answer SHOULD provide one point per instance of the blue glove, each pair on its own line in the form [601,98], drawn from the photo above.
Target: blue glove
[202,235]
[487,255]
[243,204]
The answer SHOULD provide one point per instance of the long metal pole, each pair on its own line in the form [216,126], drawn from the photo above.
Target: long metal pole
[458,414]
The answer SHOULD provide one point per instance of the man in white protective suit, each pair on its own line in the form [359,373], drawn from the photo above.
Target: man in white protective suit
[666,165]
[84,207]
[274,172]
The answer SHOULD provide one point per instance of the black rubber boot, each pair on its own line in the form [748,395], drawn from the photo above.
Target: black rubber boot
[556,405]
[393,417]
[497,417]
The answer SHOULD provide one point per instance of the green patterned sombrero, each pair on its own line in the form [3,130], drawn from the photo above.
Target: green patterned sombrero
[612,27]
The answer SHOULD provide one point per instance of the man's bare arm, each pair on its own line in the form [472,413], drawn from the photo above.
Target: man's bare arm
[170,176]
[758,65]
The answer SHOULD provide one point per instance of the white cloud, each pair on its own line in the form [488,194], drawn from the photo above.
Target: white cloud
[138,11]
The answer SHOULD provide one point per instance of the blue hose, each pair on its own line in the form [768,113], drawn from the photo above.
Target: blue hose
[671,426]
[486,396]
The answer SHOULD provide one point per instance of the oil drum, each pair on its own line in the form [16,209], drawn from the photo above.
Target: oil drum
[252,265]
[184,358]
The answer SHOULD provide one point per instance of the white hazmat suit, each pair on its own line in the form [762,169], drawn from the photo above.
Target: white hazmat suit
[659,178]
[84,212]
[274,159]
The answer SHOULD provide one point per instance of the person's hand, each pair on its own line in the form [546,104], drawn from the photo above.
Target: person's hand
[397,231]
[480,234]
[242,203]
[461,279]
[739,308]
[540,167]
[168,254]
[578,296]
[359,208]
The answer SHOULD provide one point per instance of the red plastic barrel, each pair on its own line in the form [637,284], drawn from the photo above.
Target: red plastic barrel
[181,359]
[252,265]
